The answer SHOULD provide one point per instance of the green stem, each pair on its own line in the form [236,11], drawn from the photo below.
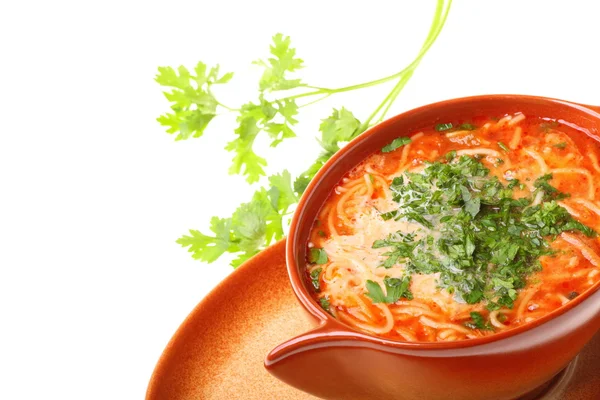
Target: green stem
[226,107]
[315,101]
[397,91]
[434,31]
[343,89]
[438,22]
[389,98]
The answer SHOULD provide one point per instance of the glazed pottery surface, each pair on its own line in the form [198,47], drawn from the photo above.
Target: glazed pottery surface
[218,351]
[336,362]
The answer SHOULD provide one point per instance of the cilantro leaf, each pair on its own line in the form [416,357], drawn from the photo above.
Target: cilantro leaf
[317,256]
[276,68]
[281,192]
[255,222]
[324,301]
[443,127]
[478,322]
[396,143]
[280,131]
[374,292]
[338,128]
[302,181]
[209,248]
[276,117]
[314,277]
[192,102]
[246,161]
[402,248]
[472,206]
[396,289]
[251,226]
[550,192]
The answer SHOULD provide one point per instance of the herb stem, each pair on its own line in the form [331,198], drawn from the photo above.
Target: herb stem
[315,101]
[438,22]
[226,107]
[397,91]
[328,91]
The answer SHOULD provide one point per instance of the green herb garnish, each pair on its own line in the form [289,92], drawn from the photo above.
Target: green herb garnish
[503,147]
[443,127]
[561,145]
[317,256]
[487,243]
[324,301]
[478,322]
[399,142]
[396,289]
[314,278]
[403,245]
[550,192]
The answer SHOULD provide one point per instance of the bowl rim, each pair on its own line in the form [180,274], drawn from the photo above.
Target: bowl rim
[328,324]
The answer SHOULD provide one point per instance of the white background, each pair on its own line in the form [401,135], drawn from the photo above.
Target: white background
[93,193]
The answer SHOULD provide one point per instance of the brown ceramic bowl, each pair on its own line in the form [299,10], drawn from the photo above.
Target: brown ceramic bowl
[334,361]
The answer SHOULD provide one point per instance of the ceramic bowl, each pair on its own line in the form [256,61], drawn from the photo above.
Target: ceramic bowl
[334,361]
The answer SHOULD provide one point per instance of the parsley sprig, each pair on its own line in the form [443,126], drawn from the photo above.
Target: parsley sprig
[274,112]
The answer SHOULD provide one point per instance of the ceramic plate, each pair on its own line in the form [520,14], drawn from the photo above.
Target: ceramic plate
[218,351]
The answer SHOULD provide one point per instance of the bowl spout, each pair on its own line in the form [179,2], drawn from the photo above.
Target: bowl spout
[327,362]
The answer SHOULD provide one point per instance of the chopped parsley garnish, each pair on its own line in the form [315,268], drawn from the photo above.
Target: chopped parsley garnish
[478,322]
[398,142]
[317,256]
[324,301]
[443,127]
[403,248]
[513,183]
[314,278]
[550,192]
[483,242]
[449,127]
[561,145]
[396,289]
[503,147]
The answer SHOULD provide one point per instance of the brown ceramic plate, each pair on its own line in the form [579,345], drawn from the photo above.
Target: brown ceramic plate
[218,351]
